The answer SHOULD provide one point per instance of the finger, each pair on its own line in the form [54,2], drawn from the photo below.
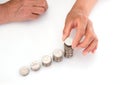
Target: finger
[79,35]
[38,10]
[90,47]
[67,30]
[41,3]
[89,36]
[77,38]
[33,16]
[93,51]
[86,41]
[45,7]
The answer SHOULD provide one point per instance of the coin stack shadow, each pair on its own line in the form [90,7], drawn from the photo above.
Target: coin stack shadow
[68,51]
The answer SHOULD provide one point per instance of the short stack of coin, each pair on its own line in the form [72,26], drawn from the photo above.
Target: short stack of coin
[46,60]
[57,55]
[35,65]
[68,51]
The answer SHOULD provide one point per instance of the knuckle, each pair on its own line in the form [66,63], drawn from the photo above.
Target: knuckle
[81,31]
[90,23]
[84,45]
[91,37]
[44,3]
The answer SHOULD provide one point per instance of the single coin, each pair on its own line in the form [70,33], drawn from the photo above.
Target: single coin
[24,71]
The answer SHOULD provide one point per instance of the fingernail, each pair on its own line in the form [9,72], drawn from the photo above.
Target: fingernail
[73,44]
[85,53]
[63,38]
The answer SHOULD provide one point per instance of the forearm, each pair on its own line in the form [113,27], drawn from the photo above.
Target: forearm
[84,6]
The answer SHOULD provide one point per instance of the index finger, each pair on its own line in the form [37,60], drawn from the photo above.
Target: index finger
[67,30]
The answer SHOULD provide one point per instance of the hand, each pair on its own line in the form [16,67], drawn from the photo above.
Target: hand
[22,10]
[84,28]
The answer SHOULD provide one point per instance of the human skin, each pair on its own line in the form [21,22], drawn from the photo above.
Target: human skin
[21,10]
[78,19]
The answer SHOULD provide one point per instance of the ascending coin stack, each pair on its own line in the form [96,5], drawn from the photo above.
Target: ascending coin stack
[47,60]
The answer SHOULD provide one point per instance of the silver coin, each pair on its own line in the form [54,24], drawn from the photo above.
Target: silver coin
[68,42]
[35,65]
[57,55]
[24,71]
[46,60]
[68,51]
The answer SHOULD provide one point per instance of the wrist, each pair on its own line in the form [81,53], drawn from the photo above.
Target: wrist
[84,5]
[80,7]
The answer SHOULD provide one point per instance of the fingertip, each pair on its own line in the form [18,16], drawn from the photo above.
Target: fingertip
[74,44]
[64,37]
[85,53]
[93,51]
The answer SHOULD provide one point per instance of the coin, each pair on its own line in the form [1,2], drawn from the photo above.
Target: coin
[46,61]
[57,55]
[68,51]
[35,65]
[24,71]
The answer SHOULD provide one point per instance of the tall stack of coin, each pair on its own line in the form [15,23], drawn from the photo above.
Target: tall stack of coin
[68,51]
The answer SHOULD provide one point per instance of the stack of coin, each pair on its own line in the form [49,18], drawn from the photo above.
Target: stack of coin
[35,65]
[57,55]
[46,60]
[68,51]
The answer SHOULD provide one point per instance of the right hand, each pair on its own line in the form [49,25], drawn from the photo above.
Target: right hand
[23,10]
[84,28]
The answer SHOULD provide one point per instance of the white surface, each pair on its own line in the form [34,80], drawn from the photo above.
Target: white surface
[21,43]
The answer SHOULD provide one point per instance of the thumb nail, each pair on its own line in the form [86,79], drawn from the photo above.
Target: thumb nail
[63,38]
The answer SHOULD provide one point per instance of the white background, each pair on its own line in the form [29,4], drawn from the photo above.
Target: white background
[22,43]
